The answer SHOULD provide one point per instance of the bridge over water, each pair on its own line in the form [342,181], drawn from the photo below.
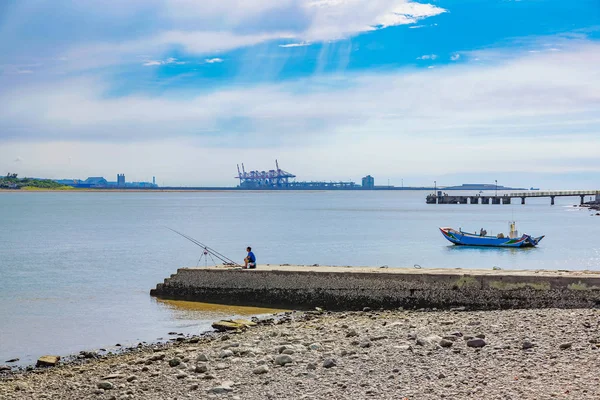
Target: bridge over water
[444,198]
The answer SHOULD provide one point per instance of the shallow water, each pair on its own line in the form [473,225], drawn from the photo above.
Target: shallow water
[76,268]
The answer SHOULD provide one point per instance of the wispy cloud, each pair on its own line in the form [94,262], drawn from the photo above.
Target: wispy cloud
[200,28]
[167,61]
[213,60]
[427,57]
[455,57]
[301,44]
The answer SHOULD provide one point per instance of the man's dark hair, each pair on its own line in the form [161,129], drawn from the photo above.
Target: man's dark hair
[249,248]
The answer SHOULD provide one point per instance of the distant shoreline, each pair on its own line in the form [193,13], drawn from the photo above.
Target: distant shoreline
[228,189]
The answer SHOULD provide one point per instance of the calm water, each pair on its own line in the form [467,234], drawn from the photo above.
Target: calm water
[76,268]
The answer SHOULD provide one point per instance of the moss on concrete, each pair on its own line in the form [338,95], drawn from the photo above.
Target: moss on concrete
[466,281]
[501,285]
[582,286]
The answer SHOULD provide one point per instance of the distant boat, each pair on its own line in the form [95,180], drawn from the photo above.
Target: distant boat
[532,188]
[471,239]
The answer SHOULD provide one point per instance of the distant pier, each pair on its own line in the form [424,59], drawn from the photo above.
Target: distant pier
[444,198]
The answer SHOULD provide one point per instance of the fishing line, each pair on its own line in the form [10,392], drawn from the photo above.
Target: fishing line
[212,252]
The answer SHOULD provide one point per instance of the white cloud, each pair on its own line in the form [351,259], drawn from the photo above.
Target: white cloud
[301,44]
[408,13]
[548,102]
[213,60]
[427,57]
[455,57]
[230,24]
[167,61]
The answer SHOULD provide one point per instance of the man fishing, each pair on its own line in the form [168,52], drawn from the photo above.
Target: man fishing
[250,260]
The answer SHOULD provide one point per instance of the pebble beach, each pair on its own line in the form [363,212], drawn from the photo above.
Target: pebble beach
[511,354]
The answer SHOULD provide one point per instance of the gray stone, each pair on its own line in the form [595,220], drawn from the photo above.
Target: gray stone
[365,344]
[226,353]
[315,346]
[221,366]
[105,385]
[527,345]
[283,359]
[113,376]
[131,378]
[311,366]
[261,369]
[351,333]
[329,362]
[202,357]
[445,343]
[208,376]
[201,368]
[182,375]
[288,351]
[476,343]
[174,362]
[220,389]
[565,346]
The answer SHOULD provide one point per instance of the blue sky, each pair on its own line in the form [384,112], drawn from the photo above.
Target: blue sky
[453,91]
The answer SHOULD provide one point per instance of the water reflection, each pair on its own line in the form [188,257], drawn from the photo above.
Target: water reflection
[191,310]
[489,249]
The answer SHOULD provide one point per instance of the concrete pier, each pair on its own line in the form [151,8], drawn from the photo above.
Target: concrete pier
[444,198]
[352,288]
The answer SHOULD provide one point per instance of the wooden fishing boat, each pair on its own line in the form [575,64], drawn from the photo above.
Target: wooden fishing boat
[470,239]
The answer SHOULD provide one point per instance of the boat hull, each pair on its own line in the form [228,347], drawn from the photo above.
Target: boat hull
[467,239]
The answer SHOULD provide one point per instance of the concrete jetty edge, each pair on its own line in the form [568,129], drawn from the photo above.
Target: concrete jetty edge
[353,288]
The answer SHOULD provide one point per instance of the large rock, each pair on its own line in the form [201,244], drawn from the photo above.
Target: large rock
[283,359]
[47,361]
[105,385]
[228,325]
[225,387]
[226,353]
[476,343]
[261,369]
[245,322]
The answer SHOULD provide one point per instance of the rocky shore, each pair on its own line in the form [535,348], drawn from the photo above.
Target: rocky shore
[427,354]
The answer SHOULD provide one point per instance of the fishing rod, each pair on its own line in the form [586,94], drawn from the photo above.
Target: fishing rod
[213,252]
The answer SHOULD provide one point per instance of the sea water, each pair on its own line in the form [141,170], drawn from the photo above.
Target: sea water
[76,267]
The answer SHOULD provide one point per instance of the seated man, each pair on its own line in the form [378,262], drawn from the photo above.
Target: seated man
[250,260]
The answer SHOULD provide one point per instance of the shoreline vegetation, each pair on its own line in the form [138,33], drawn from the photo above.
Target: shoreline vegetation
[13,182]
[391,354]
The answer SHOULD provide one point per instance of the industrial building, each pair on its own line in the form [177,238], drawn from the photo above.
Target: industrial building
[280,179]
[98,182]
[368,182]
